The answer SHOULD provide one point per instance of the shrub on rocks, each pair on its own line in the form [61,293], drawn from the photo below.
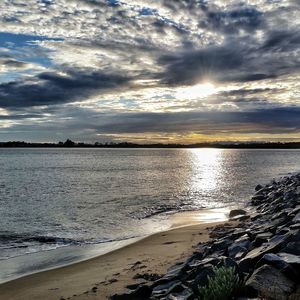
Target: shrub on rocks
[221,286]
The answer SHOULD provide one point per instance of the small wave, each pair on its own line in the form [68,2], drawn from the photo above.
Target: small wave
[17,244]
[165,209]
[8,238]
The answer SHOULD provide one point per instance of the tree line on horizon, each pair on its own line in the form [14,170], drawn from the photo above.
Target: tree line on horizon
[70,144]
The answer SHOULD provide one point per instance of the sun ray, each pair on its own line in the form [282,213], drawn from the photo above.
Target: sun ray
[200,90]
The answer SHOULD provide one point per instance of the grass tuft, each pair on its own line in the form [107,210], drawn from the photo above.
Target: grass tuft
[221,286]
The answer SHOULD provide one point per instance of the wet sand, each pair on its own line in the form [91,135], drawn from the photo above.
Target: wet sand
[103,276]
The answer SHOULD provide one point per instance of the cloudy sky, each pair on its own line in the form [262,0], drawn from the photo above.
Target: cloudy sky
[149,70]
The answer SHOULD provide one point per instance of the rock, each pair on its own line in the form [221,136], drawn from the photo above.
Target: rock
[202,278]
[292,260]
[227,262]
[209,260]
[194,272]
[237,212]
[292,248]
[166,288]
[240,255]
[255,217]
[295,226]
[220,245]
[269,283]
[248,262]
[175,271]
[273,260]
[258,187]
[135,285]
[295,236]
[257,199]
[240,218]
[187,294]
[243,241]
[262,238]
[236,249]
[296,219]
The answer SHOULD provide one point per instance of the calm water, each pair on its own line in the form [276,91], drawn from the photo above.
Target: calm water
[56,197]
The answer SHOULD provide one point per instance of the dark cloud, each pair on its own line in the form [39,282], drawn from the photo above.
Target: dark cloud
[236,60]
[247,92]
[20,117]
[282,40]
[281,119]
[52,88]
[13,63]
[232,21]
[85,124]
[191,67]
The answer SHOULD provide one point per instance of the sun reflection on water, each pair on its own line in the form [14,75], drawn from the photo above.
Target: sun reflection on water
[207,171]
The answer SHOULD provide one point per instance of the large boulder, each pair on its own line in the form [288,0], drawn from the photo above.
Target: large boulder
[269,283]
[237,212]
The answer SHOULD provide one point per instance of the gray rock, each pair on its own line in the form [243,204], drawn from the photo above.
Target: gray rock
[220,245]
[291,259]
[295,211]
[237,212]
[296,219]
[273,260]
[262,238]
[202,278]
[134,286]
[236,249]
[227,262]
[257,199]
[240,218]
[166,288]
[240,255]
[295,236]
[269,283]
[187,294]
[174,272]
[208,260]
[292,248]
[295,226]
[258,187]
[243,241]
[275,243]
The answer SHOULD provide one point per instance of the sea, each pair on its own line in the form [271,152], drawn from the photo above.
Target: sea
[96,199]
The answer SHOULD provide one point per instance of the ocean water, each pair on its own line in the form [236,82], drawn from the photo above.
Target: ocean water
[54,198]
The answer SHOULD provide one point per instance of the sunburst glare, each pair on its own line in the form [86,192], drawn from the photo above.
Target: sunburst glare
[200,90]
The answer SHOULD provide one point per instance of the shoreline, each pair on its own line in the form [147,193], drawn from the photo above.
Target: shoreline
[255,255]
[186,229]
[36,262]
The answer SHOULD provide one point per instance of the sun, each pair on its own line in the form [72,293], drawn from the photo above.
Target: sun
[200,90]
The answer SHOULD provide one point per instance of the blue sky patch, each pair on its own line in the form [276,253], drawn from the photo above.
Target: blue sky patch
[20,40]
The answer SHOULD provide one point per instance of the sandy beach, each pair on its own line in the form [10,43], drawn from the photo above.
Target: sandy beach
[101,277]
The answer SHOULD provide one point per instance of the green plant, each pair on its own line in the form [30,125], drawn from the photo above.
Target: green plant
[221,286]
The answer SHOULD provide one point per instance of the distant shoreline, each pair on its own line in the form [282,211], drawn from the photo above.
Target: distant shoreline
[217,145]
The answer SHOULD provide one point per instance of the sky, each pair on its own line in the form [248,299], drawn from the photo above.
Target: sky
[166,71]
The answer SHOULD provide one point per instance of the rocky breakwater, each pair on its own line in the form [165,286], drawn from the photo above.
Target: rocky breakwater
[261,245]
